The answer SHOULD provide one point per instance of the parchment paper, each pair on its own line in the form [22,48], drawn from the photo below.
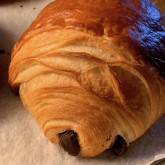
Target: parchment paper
[21,140]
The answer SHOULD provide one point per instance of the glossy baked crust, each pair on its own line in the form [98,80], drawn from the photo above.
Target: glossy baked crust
[90,66]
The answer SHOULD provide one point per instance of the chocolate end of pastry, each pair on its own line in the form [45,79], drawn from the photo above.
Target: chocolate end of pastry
[119,147]
[69,142]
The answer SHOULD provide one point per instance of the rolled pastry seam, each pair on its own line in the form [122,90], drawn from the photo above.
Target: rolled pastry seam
[90,132]
[75,138]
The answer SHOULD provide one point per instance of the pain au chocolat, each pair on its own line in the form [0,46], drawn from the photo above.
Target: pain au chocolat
[91,72]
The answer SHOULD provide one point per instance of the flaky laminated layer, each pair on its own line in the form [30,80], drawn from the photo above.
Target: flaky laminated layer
[79,66]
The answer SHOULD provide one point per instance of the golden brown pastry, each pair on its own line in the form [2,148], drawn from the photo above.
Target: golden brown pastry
[91,72]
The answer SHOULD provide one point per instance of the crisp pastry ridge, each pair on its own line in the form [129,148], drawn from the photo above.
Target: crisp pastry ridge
[81,66]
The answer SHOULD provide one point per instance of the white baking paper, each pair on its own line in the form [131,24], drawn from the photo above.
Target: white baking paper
[21,140]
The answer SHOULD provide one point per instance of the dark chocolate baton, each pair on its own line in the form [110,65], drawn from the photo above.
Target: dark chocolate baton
[69,142]
[119,147]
